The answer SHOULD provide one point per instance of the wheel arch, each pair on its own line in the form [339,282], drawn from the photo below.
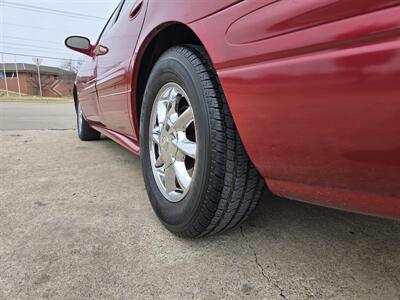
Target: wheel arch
[155,44]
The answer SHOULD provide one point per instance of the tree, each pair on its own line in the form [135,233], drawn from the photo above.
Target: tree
[72,65]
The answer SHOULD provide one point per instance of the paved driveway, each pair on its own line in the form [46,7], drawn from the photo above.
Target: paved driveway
[75,223]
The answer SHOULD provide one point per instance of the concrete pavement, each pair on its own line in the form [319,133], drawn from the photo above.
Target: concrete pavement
[75,223]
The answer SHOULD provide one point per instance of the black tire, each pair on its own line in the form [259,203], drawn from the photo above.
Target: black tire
[227,186]
[85,132]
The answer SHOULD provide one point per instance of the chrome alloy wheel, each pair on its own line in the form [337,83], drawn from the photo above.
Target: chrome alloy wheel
[80,118]
[173,148]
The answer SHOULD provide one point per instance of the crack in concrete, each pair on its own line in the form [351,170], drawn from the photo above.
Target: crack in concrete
[260,267]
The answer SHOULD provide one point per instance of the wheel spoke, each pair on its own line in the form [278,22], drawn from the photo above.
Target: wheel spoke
[182,175]
[156,135]
[159,162]
[184,119]
[186,147]
[169,180]
[166,94]
[172,94]
[162,111]
[171,109]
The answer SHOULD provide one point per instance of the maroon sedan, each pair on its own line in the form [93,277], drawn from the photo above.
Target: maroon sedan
[223,97]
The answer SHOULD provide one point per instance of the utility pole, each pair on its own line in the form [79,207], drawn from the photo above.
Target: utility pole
[38,62]
[4,73]
[16,70]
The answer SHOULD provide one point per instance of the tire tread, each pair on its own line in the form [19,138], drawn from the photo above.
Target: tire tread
[234,185]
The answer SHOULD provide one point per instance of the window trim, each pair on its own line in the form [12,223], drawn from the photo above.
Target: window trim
[116,14]
[120,10]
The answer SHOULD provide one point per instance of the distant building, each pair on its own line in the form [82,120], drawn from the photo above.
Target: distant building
[56,82]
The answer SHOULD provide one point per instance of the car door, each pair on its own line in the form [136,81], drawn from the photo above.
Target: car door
[120,39]
[86,87]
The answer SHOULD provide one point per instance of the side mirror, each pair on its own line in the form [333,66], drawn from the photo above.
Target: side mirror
[79,44]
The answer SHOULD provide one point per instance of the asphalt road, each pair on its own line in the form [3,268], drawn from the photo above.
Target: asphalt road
[75,223]
[36,116]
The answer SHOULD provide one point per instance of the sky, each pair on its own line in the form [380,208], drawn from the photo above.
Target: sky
[26,29]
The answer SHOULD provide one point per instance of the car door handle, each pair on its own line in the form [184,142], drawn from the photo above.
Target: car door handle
[136,9]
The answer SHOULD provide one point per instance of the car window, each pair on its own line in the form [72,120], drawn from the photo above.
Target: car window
[111,21]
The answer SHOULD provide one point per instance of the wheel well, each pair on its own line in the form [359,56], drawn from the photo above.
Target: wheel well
[173,35]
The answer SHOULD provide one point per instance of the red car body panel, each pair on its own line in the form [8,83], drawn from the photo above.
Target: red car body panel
[313,87]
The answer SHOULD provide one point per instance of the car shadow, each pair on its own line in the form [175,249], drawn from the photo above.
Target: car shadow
[272,208]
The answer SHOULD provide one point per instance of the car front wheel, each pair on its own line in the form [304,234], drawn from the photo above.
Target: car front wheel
[198,176]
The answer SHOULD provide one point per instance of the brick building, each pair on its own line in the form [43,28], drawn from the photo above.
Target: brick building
[56,82]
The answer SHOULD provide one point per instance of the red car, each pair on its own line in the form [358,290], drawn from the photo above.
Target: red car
[221,97]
